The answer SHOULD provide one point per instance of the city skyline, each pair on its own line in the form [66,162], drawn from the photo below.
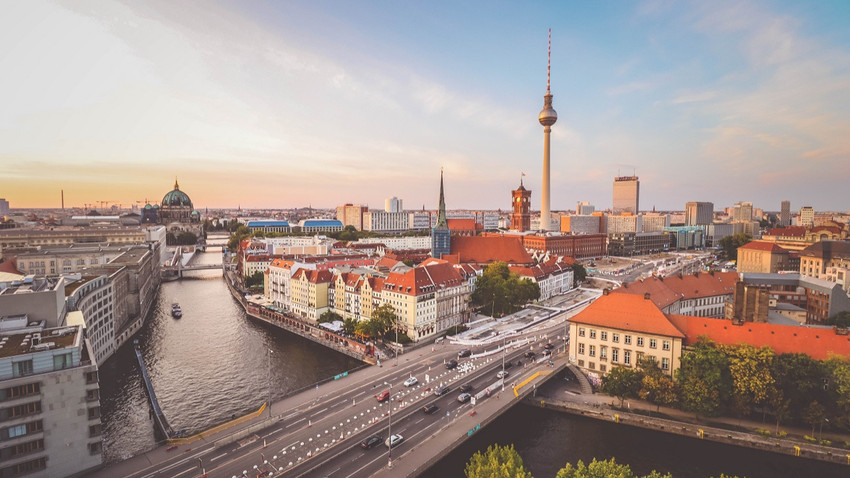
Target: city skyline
[295,104]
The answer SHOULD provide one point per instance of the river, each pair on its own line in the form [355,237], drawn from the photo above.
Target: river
[214,363]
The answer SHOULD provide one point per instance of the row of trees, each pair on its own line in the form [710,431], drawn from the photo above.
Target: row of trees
[382,324]
[739,380]
[504,462]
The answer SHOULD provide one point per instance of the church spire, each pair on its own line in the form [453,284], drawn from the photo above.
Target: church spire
[441,214]
[175,183]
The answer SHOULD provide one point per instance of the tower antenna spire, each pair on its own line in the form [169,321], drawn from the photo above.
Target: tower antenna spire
[549,62]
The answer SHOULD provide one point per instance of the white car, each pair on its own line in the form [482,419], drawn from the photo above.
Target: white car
[502,374]
[411,382]
[394,441]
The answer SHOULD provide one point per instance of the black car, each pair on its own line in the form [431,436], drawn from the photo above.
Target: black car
[465,388]
[441,390]
[371,442]
[451,364]
[508,365]
[530,354]
[429,409]
[464,353]
[548,346]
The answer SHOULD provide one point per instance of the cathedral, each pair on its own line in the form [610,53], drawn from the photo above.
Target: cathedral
[175,212]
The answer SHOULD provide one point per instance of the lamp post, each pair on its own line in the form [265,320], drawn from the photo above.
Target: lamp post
[390,428]
[504,353]
[821,427]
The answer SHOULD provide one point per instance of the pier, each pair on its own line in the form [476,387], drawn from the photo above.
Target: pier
[158,416]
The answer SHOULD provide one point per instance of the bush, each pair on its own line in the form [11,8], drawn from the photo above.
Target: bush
[826,442]
[763,432]
[810,439]
[782,434]
[847,444]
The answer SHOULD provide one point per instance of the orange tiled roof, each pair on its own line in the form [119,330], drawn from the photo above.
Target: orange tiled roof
[316,277]
[461,224]
[788,231]
[817,343]
[763,246]
[484,250]
[11,267]
[672,288]
[422,280]
[627,312]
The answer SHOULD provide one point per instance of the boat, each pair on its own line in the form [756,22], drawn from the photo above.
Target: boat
[176,312]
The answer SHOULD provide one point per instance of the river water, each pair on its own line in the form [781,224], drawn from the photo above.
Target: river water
[214,363]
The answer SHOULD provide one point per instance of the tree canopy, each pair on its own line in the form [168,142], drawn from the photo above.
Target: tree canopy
[497,462]
[503,291]
[603,469]
[730,244]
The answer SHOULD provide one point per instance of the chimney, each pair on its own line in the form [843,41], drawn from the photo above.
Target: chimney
[646,296]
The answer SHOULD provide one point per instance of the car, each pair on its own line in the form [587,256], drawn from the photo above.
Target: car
[451,364]
[464,397]
[548,346]
[441,390]
[465,388]
[394,441]
[411,382]
[530,355]
[383,396]
[371,442]
[464,353]
[502,374]
[429,409]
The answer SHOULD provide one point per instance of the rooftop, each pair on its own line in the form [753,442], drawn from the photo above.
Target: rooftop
[627,312]
[12,345]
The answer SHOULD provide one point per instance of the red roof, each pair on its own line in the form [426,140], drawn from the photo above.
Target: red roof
[461,224]
[627,312]
[672,288]
[11,267]
[763,246]
[818,343]
[788,231]
[316,277]
[424,279]
[484,250]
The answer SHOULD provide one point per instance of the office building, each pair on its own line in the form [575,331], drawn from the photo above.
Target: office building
[393,204]
[699,213]
[807,216]
[584,208]
[351,215]
[4,207]
[626,195]
[785,213]
[742,212]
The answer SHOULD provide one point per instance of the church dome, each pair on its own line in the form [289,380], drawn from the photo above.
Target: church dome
[177,198]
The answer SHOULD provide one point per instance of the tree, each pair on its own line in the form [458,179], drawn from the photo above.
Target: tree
[839,387]
[730,244]
[703,379]
[622,382]
[328,317]
[384,318]
[603,469]
[799,378]
[497,462]
[841,319]
[752,380]
[349,325]
[255,280]
[579,273]
[656,387]
[814,414]
[502,290]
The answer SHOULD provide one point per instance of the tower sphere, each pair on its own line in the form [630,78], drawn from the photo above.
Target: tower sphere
[548,116]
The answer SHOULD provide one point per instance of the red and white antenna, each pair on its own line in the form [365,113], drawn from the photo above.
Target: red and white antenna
[549,61]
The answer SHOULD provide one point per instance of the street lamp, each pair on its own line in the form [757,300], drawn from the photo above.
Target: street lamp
[390,428]
[504,353]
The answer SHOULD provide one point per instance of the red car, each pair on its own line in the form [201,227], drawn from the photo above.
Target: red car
[383,396]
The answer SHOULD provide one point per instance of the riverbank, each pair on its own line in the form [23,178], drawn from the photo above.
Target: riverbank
[564,396]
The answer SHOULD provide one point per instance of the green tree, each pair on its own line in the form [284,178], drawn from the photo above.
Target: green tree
[384,318]
[752,380]
[841,319]
[730,244]
[656,387]
[622,382]
[497,462]
[838,384]
[500,291]
[703,379]
[255,280]
[799,379]
[328,317]
[579,273]
[814,414]
[349,325]
[603,469]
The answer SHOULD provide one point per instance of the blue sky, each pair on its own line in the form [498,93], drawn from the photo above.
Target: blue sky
[284,104]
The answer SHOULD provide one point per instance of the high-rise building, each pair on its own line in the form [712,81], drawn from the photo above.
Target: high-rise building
[807,216]
[393,204]
[4,207]
[584,208]
[520,201]
[351,215]
[547,118]
[699,213]
[441,235]
[742,211]
[785,213]
[626,195]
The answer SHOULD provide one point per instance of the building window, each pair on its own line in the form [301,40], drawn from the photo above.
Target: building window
[603,335]
[592,333]
[581,349]
[591,365]
[94,412]
[627,357]
[95,448]
[61,361]
[19,391]
[581,363]
[17,431]
[95,430]
[615,355]
[603,368]
[640,341]
[603,352]
[615,337]
[26,448]
[627,339]
[592,351]
[665,345]
[665,363]
[22,368]
[653,343]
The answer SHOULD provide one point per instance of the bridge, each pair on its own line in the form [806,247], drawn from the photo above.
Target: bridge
[318,431]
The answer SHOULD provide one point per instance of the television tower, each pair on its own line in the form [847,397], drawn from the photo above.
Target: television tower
[547,118]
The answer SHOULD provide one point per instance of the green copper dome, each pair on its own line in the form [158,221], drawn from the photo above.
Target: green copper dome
[177,198]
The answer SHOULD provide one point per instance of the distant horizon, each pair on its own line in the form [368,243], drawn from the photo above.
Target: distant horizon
[258,104]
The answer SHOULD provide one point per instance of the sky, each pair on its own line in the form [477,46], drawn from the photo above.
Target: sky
[320,103]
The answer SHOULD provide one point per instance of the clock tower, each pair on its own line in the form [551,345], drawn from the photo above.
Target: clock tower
[521,202]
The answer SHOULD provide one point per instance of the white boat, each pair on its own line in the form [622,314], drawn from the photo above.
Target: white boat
[176,312]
